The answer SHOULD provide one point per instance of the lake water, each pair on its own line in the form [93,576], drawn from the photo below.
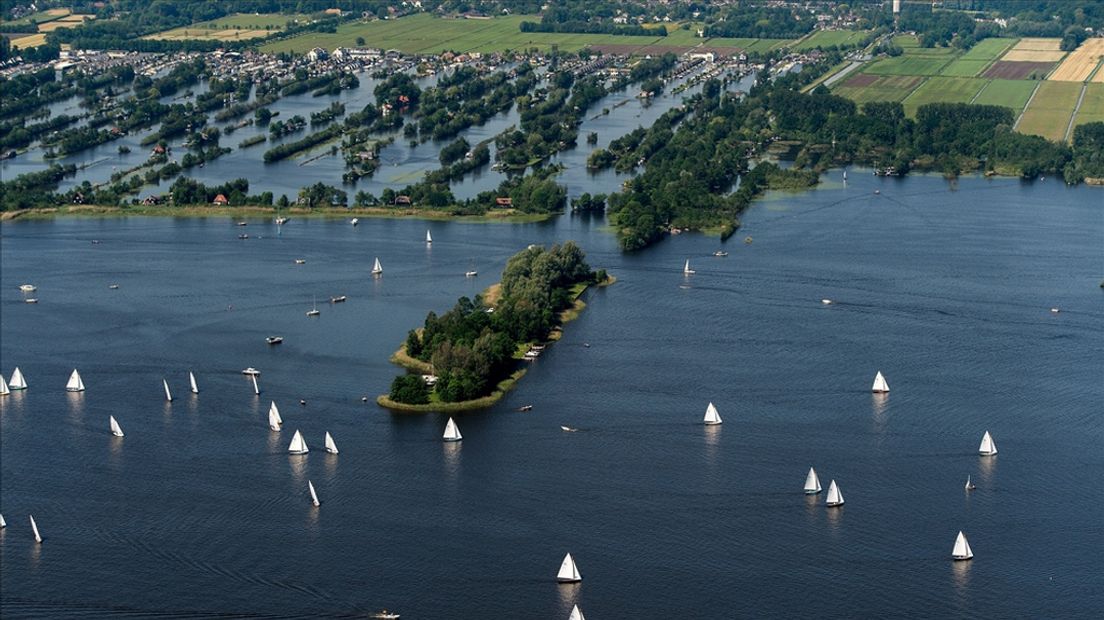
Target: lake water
[199,510]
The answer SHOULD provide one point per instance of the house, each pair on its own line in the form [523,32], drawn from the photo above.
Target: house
[221,200]
[402,200]
[151,200]
[317,54]
[504,202]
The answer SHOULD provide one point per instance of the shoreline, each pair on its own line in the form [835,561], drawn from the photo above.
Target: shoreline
[400,358]
[98,211]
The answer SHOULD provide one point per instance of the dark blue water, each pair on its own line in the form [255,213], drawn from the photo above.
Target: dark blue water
[199,509]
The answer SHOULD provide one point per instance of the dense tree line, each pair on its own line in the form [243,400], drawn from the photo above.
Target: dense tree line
[746,20]
[472,349]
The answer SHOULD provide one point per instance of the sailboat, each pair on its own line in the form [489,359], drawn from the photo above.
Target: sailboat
[429,239]
[331,447]
[75,384]
[711,415]
[4,391]
[569,573]
[3,523]
[298,445]
[191,379]
[576,614]
[314,309]
[34,528]
[314,496]
[377,269]
[451,432]
[256,388]
[812,483]
[274,413]
[880,386]
[834,498]
[18,382]
[686,268]
[970,486]
[168,394]
[273,420]
[354,221]
[988,447]
[962,549]
[115,428]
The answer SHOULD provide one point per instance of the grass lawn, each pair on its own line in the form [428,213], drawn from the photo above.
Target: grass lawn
[909,64]
[1050,111]
[827,38]
[943,90]
[1092,106]
[1008,93]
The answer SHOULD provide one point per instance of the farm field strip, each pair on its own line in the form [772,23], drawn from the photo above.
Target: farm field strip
[1033,56]
[1081,62]
[964,68]
[1008,93]
[988,49]
[1039,43]
[1092,105]
[1050,110]
[863,88]
[826,38]
[908,65]
[943,90]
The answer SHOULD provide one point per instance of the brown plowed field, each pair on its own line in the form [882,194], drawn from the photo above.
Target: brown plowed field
[860,80]
[1008,70]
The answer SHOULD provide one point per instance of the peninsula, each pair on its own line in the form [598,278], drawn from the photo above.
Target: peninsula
[469,357]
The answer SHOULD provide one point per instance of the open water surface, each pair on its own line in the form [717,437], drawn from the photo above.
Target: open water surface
[199,510]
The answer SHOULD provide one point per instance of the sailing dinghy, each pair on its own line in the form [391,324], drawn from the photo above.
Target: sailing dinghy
[711,415]
[970,486]
[576,614]
[377,269]
[75,384]
[256,388]
[273,420]
[314,496]
[4,391]
[274,412]
[191,380]
[115,428]
[834,498]
[3,523]
[18,381]
[168,394]
[429,239]
[880,386]
[686,268]
[569,573]
[452,433]
[331,447]
[34,528]
[962,549]
[988,447]
[812,483]
[298,445]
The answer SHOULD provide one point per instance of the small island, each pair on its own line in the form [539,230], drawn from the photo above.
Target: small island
[470,356]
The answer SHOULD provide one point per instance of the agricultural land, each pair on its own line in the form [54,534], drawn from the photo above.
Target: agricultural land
[231,28]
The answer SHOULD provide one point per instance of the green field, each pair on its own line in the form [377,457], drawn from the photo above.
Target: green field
[943,90]
[1050,110]
[426,34]
[908,64]
[827,38]
[885,88]
[1008,93]
[1092,106]
[989,49]
[965,68]
[40,17]
[249,21]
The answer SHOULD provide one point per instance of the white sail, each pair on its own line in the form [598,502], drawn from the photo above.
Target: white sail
[3,523]
[377,268]
[274,413]
[812,483]
[273,421]
[834,497]
[569,573]
[314,496]
[880,384]
[18,382]
[711,415]
[168,394]
[576,614]
[34,528]
[256,388]
[298,445]
[429,239]
[988,447]
[191,379]
[962,549]
[4,391]
[115,428]
[331,447]
[75,384]
[452,433]
[686,268]
[969,485]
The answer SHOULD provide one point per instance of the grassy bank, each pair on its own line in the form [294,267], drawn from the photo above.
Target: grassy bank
[505,216]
